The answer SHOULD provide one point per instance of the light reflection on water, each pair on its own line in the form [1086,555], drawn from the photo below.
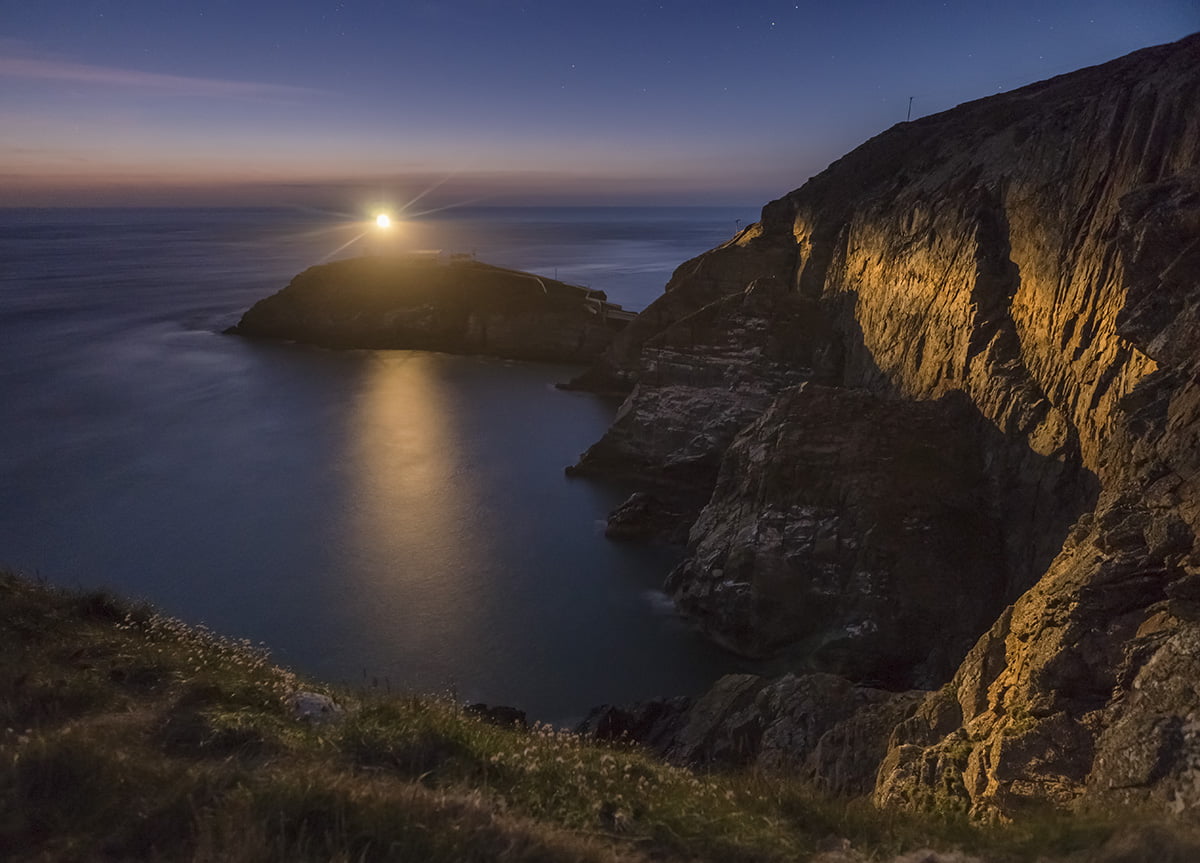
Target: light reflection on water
[474,564]
[407,512]
[399,513]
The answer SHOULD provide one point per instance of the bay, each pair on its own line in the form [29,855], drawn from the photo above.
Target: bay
[396,517]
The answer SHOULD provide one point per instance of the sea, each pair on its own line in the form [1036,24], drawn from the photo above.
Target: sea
[385,519]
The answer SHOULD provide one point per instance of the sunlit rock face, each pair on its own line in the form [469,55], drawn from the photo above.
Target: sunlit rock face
[1014,285]
[1088,684]
[457,306]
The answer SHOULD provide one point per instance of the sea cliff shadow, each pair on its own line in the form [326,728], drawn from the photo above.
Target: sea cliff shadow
[1034,498]
[858,529]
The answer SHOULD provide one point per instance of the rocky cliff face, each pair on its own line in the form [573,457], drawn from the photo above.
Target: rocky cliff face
[853,522]
[949,388]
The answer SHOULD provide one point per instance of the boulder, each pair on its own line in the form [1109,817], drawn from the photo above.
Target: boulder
[314,707]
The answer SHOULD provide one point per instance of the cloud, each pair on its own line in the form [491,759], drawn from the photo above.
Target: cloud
[83,73]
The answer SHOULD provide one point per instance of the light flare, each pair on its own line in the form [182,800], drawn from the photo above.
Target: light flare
[342,246]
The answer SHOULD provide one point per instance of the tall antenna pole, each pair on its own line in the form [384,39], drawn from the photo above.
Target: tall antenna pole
[909,117]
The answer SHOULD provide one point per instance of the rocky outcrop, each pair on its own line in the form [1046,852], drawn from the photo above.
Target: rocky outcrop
[423,302]
[653,517]
[498,714]
[760,250]
[854,520]
[701,380]
[818,726]
[956,397]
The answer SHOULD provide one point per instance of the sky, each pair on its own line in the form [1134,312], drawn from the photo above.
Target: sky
[264,102]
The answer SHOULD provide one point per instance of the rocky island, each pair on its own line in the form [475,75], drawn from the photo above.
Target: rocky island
[453,304]
[943,405]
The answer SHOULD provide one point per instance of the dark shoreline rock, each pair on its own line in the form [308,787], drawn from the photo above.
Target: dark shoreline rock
[657,516]
[428,303]
[498,714]
[819,726]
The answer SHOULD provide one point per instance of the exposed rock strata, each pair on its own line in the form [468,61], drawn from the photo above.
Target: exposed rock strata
[457,306]
[1029,266]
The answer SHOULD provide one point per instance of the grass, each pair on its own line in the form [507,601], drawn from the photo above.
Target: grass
[127,735]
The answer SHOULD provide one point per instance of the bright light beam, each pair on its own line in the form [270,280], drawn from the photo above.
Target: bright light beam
[320,211]
[430,188]
[329,229]
[383,220]
[342,246]
[447,207]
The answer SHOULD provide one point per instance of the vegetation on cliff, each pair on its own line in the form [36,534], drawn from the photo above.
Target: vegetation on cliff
[128,735]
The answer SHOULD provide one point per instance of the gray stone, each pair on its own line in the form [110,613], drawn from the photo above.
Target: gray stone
[314,707]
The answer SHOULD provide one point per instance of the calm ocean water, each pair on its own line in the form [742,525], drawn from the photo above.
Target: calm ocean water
[394,513]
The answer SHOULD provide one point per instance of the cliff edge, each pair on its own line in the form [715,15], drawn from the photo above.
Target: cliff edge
[944,400]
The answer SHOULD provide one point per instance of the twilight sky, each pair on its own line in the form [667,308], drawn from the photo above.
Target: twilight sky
[298,101]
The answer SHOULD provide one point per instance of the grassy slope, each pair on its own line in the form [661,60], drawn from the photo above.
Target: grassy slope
[126,735]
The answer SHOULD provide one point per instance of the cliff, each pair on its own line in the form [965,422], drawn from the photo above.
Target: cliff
[944,400]
[423,302]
